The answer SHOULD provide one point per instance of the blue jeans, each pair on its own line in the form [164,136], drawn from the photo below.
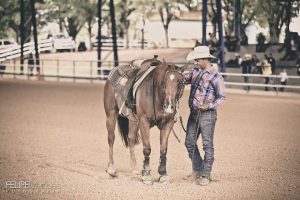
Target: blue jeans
[201,123]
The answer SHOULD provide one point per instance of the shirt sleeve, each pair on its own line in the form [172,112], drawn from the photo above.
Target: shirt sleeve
[219,87]
[188,76]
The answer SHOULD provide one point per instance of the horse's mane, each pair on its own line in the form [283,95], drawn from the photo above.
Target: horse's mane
[159,73]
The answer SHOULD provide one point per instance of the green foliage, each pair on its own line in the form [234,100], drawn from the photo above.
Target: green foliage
[8,13]
[73,15]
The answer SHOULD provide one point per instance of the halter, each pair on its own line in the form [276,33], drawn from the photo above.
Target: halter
[180,84]
[180,88]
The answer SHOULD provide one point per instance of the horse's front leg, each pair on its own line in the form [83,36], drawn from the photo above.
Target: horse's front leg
[145,135]
[164,136]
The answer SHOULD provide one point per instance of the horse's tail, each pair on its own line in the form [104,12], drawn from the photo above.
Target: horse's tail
[123,123]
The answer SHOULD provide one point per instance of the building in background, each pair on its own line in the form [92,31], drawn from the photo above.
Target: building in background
[184,31]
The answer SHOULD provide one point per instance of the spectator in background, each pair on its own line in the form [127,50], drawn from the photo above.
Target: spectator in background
[255,63]
[261,39]
[197,43]
[283,79]
[246,68]
[244,38]
[287,45]
[266,71]
[298,64]
[30,64]
[272,61]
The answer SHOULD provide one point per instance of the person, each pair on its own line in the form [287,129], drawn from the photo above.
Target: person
[298,64]
[261,39]
[283,79]
[246,68]
[30,64]
[267,71]
[287,45]
[272,61]
[207,93]
[255,64]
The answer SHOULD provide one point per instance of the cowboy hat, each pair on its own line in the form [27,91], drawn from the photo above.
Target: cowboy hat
[199,52]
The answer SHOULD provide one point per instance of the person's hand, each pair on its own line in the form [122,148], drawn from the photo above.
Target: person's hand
[204,107]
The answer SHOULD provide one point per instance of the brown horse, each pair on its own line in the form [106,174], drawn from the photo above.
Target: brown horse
[156,103]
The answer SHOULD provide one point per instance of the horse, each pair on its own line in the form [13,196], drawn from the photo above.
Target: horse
[157,98]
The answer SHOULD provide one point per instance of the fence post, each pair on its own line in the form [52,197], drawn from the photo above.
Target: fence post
[14,68]
[42,70]
[57,70]
[276,78]
[73,71]
[91,71]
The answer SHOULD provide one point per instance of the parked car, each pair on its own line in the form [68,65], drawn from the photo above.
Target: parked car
[62,42]
[5,43]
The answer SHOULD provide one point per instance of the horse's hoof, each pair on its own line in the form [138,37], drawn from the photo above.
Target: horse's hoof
[111,172]
[147,180]
[165,179]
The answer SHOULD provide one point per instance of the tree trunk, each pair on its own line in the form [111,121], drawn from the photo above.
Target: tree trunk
[90,36]
[126,39]
[237,23]
[204,21]
[114,32]
[274,35]
[167,36]
[99,45]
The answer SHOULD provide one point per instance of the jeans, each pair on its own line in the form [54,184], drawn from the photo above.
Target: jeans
[201,123]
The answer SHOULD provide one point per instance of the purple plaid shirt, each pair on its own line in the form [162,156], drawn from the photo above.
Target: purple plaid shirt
[210,89]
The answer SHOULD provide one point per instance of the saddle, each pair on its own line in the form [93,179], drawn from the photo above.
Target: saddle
[125,77]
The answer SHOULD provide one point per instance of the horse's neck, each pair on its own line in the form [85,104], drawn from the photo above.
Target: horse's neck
[159,92]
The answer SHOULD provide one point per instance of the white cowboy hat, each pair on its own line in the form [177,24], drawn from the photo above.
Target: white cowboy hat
[199,52]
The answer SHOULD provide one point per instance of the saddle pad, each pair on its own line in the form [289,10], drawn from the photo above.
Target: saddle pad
[140,80]
[115,79]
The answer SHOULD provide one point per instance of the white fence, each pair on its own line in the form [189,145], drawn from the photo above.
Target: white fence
[47,45]
[15,51]
[75,70]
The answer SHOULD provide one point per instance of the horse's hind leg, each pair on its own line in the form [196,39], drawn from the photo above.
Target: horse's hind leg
[132,136]
[110,125]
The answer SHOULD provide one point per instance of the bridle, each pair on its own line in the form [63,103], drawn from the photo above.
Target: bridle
[180,84]
[180,88]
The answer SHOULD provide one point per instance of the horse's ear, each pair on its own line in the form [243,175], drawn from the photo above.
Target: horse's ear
[172,67]
[165,64]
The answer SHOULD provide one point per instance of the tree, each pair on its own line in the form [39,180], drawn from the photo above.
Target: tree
[277,14]
[89,9]
[168,10]
[138,18]
[124,8]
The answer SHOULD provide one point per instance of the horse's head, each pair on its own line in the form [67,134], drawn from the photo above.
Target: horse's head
[173,86]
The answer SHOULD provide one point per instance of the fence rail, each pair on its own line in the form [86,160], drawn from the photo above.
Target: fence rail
[88,70]
[15,51]
[46,45]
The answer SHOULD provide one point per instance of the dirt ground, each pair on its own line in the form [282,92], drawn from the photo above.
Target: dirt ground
[53,138]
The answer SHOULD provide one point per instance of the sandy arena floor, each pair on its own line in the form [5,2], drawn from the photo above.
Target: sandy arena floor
[53,136]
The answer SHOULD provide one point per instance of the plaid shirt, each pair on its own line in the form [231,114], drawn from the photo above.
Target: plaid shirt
[209,90]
